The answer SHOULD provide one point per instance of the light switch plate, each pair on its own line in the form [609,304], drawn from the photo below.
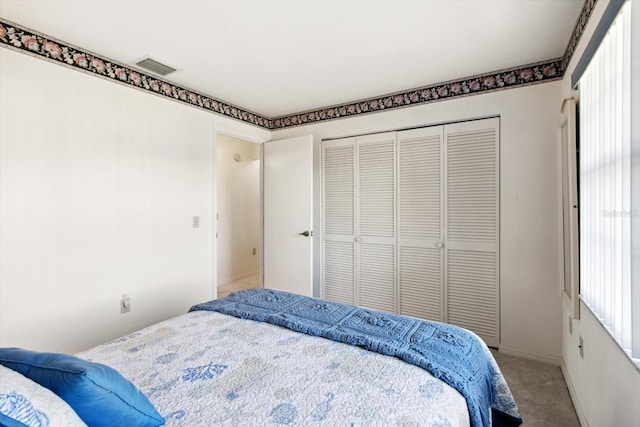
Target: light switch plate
[125,304]
[581,347]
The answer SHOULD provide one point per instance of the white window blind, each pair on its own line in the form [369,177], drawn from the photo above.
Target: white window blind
[605,184]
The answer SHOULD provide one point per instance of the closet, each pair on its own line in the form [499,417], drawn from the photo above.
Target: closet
[411,223]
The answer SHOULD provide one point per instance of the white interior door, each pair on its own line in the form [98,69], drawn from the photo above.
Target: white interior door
[288,214]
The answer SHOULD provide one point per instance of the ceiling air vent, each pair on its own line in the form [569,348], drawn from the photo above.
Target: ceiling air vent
[155,66]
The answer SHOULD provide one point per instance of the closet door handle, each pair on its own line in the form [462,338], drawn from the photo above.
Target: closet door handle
[439,245]
[306,233]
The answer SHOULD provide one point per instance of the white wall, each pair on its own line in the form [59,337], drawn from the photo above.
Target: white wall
[238,208]
[530,308]
[98,187]
[605,384]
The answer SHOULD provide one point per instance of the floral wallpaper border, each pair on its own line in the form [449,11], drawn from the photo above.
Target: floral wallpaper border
[540,72]
[513,77]
[31,42]
[39,45]
[578,29]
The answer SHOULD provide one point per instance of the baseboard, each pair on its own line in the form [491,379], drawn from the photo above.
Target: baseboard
[574,397]
[525,354]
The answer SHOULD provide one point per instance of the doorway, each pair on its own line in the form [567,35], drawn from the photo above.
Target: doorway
[238,215]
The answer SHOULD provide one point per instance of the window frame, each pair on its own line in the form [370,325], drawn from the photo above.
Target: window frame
[601,304]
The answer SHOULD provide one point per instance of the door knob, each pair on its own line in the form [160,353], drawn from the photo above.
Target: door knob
[306,233]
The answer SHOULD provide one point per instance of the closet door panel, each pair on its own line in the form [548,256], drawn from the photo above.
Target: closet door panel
[471,227]
[420,222]
[338,247]
[472,302]
[420,282]
[377,276]
[339,274]
[420,184]
[472,190]
[339,187]
[376,221]
[376,185]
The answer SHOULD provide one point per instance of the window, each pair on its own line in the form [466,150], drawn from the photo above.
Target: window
[605,185]
[569,202]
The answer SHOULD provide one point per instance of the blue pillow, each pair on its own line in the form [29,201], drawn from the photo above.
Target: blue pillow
[96,392]
[5,421]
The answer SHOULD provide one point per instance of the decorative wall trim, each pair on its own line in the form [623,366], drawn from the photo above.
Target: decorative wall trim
[42,46]
[513,77]
[540,72]
[22,39]
[578,29]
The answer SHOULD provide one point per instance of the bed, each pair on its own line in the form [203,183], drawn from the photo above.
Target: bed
[265,357]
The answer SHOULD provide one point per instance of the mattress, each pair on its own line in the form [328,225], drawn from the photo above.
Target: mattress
[206,368]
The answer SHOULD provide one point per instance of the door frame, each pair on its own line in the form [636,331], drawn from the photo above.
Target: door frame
[218,130]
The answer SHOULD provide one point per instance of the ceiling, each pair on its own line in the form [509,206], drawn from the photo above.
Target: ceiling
[281,57]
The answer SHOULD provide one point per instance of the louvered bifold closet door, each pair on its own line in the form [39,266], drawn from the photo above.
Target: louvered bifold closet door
[338,245]
[471,227]
[376,224]
[420,222]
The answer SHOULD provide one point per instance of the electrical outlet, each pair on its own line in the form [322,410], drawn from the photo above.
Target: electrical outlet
[570,326]
[125,304]
[581,347]
[254,251]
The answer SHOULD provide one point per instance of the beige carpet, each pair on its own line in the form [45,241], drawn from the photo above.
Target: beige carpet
[540,392]
[248,282]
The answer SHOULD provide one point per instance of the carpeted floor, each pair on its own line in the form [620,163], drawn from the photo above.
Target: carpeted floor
[540,392]
[248,282]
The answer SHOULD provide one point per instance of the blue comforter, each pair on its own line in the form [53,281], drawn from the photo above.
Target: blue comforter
[449,353]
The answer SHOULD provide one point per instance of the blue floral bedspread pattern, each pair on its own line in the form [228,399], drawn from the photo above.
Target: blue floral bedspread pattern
[19,408]
[451,354]
[206,368]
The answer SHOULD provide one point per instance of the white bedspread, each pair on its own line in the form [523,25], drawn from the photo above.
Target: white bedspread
[205,368]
